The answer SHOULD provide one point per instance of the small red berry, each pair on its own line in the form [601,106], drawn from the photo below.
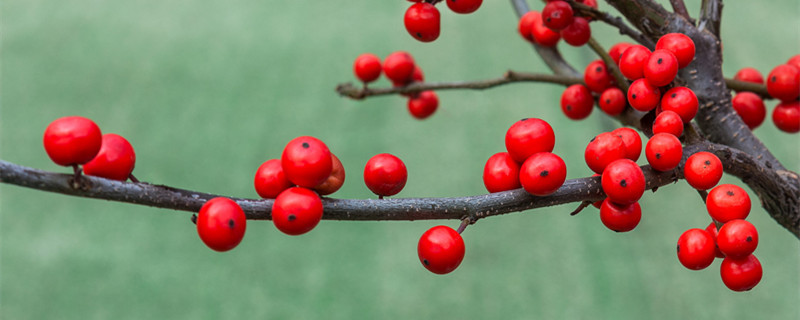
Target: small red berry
[612,101]
[464,6]
[526,24]
[501,173]
[306,161]
[529,136]
[417,75]
[663,151]
[712,230]
[221,224]
[683,101]
[737,238]
[728,202]
[748,74]
[750,107]
[577,102]
[632,140]
[441,249]
[605,148]
[543,35]
[335,180]
[72,140]
[270,180]
[680,45]
[367,67]
[661,68]
[115,160]
[577,33]
[296,211]
[543,173]
[398,67]
[385,175]
[633,60]
[620,218]
[668,122]
[423,105]
[794,60]
[786,116]
[783,82]
[741,274]
[557,15]
[597,77]
[643,96]
[616,51]
[623,182]
[702,170]
[422,21]
[696,249]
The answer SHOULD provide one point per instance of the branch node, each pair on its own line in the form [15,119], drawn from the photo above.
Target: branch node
[580,207]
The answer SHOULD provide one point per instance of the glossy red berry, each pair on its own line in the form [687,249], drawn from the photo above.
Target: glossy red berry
[385,175]
[577,102]
[643,96]
[620,218]
[72,140]
[712,230]
[417,75]
[663,151]
[616,51]
[728,202]
[306,161]
[794,60]
[737,238]
[605,148]
[597,77]
[501,173]
[398,67]
[786,116]
[335,180]
[661,68]
[750,107]
[680,45]
[696,249]
[270,180]
[441,249]
[557,15]
[612,101]
[741,274]
[115,160]
[367,67]
[422,21]
[526,24]
[683,101]
[464,6]
[702,170]
[783,82]
[668,122]
[633,143]
[221,224]
[633,60]
[543,173]
[577,33]
[529,136]
[423,105]
[623,182]
[296,211]
[749,75]
[543,35]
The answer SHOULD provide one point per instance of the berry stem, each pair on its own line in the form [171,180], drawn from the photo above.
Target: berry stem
[133,179]
[622,83]
[463,226]
[580,208]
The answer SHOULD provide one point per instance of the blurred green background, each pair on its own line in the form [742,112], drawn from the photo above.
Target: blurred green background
[206,90]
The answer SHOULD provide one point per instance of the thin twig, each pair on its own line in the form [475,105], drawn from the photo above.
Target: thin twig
[679,7]
[610,66]
[756,88]
[615,22]
[580,207]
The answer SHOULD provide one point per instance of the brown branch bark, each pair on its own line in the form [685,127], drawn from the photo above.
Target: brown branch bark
[551,56]
[615,22]
[679,7]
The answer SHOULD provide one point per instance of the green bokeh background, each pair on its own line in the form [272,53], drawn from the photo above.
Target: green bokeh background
[206,90]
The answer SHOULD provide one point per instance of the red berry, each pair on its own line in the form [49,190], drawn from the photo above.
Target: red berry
[335,180]
[543,173]
[668,122]
[441,249]
[296,211]
[529,136]
[633,143]
[501,173]
[423,105]
[633,60]
[661,68]
[702,170]
[72,140]
[385,174]
[712,230]
[464,6]
[612,101]
[786,116]
[605,148]
[794,60]
[417,75]
[737,238]
[623,182]
[115,160]
[680,45]
[741,274]
[367,67]
[728,202]
[306,161]
[577,33]
[597,77]
[750,108]
[749,75]
[422,21]
[526,24]
[221,224]
[398,67]
[783,82]
[616,51]
[557,15]
[620,218]
[663,151]
[643,96]
[577,102]
[543,35]
[683,101]
[696,249]
[270,180]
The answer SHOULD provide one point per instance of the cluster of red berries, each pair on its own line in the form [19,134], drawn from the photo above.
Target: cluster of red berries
[401,69]
[528,163]
[74,141]
[556,21]
[423,21]
[783,83]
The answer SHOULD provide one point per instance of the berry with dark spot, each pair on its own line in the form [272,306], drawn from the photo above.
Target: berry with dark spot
[557,15]
[602,150]
[422,21]
[683,101]
[597,77]
[661,68]
[543,173]
[783,82]
[663,151]
[306,161]
[619,192]
[737,238]
[221,224]
[296,211]
[616,51]
[612,101]
[679,45]
[728,202]
[642,95]
[702,170]
[577,33]
[577,102]
[440,249]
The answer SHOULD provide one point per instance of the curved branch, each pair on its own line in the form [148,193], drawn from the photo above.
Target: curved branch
[614,22]
[551,56]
